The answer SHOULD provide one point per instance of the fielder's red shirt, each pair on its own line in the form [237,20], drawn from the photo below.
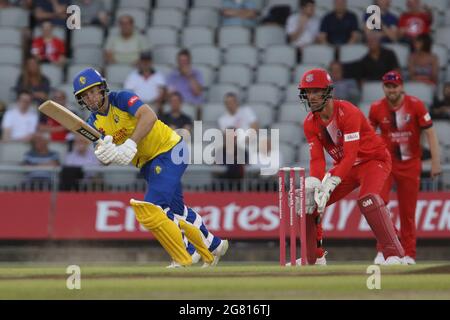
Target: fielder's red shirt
[401,127]
[415,23]
[48,50]
[348,138]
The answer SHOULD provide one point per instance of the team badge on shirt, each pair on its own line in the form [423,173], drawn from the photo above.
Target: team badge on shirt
[158,169]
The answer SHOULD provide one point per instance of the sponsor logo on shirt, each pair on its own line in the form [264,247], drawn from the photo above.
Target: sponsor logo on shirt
[116,118]
[351,136]
[132,100]
[427,117]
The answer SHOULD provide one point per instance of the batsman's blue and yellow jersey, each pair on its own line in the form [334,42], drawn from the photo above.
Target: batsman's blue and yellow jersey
[119,121]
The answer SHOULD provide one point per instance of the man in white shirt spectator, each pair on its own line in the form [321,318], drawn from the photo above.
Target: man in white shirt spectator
[236,117]
[126,46]
[20,121]
[303,27]
[146,82]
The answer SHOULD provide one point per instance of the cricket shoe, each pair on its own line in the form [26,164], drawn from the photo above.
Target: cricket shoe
[218,253]
[322,261]
[393,260]
[409,260]
[379,259]
[195,259]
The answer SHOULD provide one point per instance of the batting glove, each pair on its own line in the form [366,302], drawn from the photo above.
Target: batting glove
[126,152]
[106,150]
[329,183]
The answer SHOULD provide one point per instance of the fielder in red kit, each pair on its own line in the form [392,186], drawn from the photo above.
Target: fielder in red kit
[360,160]
[401,119]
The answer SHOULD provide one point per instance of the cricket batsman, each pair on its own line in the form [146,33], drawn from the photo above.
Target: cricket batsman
[401,119]
[131,133]
[360,160]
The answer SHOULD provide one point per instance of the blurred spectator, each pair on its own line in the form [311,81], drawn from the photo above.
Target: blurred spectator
[53,10]
[40,157]
[20,120]
[175,118]
[235,116]
[423,65]
[414,22]
[48,47]
[377,61]
[186,80]
[31,79]
[146,82]
[48,125]
[239,13]
[72,172]
[345,89]
[339,26]
[441,108]
[2,113]
[277,15]
[389,22]
[126,46]
[303,27]
[93,13]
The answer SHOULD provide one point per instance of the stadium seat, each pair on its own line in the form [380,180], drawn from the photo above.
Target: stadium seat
[365,107]
[140,17]
[293,112]
[208,74]
[203,17]
[212,111]
[179,4]
[119,179]
[371,91]
[266,36]
[244,54]
[195,36]
[217,4]
[301,69]
[13,152]
[292,3]
[14,17]
[291,94]
[8,83]
[206,54]
[318,54]
[160,36]
[117,73]
[290,133]
[233,35]
[59,147]
[58,32]
[54,73]
[442,129]
[447,18]
[288,153]
[280,54]
[217,91]
[168,17]
[400,4]
[88,55]
[361,4]
[238,74]
[401,51]
[74,69]
[326,4]
[274,74]
[87,36]
[421,90]
[10,55]
[438,6]
[304,154]
[165,54]
[442,36]
[265,93]
[352,52]
[264,113]
[442,53]
[10,36]
[135,4]
[165,69]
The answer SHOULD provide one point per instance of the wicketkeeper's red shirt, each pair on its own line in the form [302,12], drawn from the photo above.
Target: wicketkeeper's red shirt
[348,138]
[401,127]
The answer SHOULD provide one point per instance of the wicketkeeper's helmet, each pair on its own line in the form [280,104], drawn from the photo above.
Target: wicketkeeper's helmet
[316,79]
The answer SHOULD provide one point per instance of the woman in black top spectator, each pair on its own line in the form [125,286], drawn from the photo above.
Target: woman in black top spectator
[34,81]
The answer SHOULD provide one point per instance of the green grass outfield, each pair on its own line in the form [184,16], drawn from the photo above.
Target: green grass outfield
[228,281]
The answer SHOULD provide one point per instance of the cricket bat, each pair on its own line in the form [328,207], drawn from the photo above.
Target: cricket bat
[69,120]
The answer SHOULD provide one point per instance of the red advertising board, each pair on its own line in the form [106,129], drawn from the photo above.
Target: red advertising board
[24,215]
[229,215]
